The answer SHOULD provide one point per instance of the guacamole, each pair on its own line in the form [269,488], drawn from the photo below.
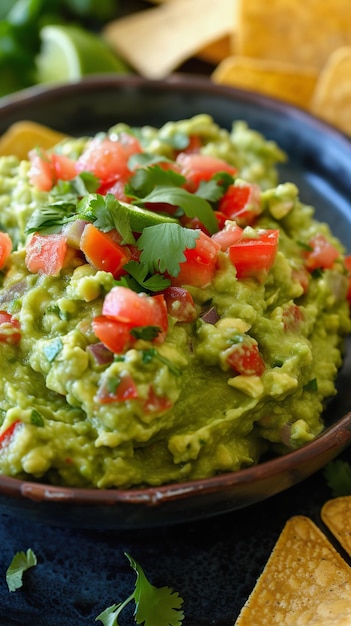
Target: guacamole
[169,310]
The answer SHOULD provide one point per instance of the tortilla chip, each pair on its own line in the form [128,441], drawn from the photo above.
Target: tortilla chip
[156,41]
[332,97]
[216,51]
[287,82]
[302,33]
[336,515]
[21,137]
[305,581]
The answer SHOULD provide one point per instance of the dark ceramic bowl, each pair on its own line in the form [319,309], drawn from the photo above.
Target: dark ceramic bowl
[319,163]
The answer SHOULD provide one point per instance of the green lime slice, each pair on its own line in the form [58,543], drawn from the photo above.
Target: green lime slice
[69,52]
[141,218]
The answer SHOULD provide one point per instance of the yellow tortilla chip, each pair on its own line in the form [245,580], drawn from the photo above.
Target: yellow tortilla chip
[216,51]
[287,82]
[24,136]
[332,97]
[303,33]
[336,515]
[305,582]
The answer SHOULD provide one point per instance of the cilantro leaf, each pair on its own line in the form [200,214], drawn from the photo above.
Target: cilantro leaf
[107,213]
[146,179]
[153,282]
[213,189]
[154,606]
[19,564]
[148,333]
[191,203]
[162,247]
[145,159]
[338,477]
[50,219]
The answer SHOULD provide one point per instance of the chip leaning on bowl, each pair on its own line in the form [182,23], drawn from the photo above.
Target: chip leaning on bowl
[168,310]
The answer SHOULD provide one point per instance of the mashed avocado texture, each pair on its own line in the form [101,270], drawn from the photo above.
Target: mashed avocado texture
[169,310]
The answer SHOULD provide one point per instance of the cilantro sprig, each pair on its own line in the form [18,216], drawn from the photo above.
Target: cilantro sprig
[162,247]
[155,185]
[19,564]
[154,606]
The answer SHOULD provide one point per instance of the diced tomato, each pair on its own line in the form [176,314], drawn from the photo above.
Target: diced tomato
[45,254]
[157,404]
[200,265]
[108,159]
[5,248]
[322,254]
[180,304]
[221,219]
[228,236]
[116,188]
[113,334]
[241,203]
[245,359]
[64,167]
[252,256]
[41,173]
[102,252]
[6,435]
[198,167]
[302,276]
[119,390]
[292,318]
[46,169]
[9,329]
[136,309]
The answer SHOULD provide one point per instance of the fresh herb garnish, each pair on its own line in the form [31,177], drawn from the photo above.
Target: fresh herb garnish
[107,213]
[19,564]
[52,349]
[152,353]
[154,606]
[312,385]
[36,418]
[338,477]
[143,279]
[154,185]
[162,247]
[148,333]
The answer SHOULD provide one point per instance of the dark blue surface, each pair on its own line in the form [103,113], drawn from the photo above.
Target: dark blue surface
[213,563]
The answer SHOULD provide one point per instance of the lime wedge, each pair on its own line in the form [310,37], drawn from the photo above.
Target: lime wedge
[141,218]
[69,52]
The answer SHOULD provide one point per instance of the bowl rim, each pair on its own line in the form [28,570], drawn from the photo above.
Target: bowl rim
[332,440]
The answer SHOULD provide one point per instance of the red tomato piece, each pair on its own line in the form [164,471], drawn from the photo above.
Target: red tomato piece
[102,252]
[9,329]
[45,254]
[113,334]
[108,159]
[157,404]
[228,236]
[241,203]
[135,309]
[322,254]
[252,256]
[41,173]
[292,318]
[64,168]
[198,167]
[5,248]
[120,390]
[200,265]
[180,304]
[245,359]
[6,435]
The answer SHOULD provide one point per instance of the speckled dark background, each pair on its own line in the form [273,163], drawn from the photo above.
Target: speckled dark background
[213,564]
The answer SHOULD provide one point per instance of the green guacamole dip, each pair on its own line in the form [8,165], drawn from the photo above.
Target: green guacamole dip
[245,371]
